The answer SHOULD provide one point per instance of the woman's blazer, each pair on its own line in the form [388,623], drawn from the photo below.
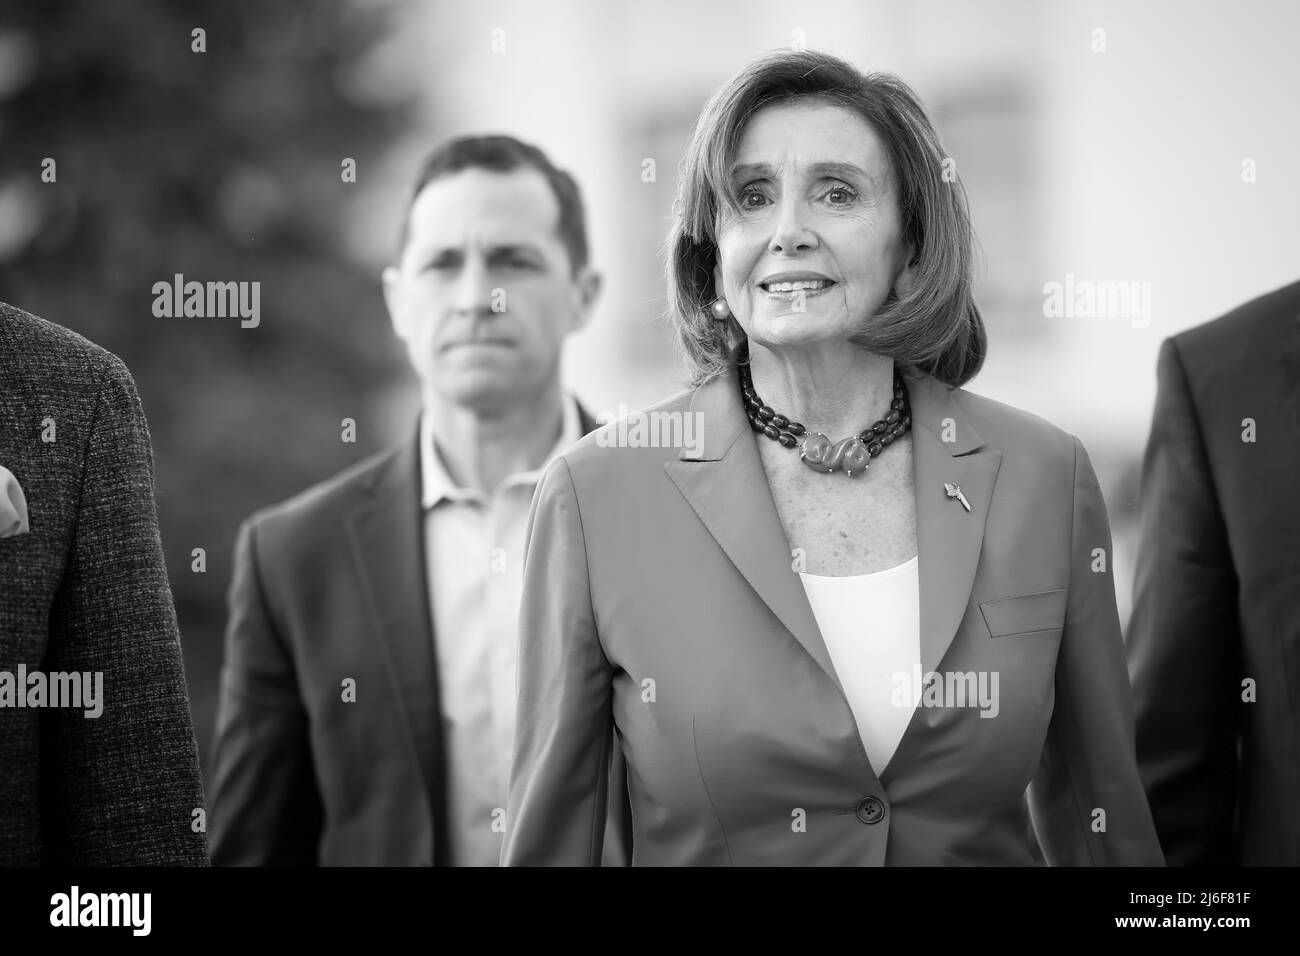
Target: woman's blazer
[662,613]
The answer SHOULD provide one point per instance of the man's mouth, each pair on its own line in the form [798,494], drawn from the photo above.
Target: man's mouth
[478,343]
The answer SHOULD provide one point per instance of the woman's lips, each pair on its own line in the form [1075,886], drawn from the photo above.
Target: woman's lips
[804,292]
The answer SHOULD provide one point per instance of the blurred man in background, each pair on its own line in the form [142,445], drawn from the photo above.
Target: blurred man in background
[1214,640]
[367,701]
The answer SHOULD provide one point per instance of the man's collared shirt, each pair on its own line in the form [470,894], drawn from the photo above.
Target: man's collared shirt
[474,549]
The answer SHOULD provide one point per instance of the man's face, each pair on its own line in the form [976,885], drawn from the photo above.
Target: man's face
[483,295]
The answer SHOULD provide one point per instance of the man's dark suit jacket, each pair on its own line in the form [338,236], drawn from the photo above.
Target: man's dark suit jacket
[1217,592]
[330,586]
[86,590]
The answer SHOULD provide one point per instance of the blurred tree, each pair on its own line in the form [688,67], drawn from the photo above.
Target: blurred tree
[223,165]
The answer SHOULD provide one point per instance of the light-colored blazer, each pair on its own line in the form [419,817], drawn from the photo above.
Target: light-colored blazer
[662,614]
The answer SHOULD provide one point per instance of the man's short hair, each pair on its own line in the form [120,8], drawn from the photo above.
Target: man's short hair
[505,154]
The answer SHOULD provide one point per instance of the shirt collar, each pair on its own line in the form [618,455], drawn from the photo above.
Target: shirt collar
[436,484]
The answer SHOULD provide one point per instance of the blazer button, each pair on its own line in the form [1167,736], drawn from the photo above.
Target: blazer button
[870,810]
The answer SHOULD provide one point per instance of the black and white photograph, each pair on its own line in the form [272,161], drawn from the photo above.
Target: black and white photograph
[701,433]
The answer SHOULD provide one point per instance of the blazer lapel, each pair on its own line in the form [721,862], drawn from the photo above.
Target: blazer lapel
[946,449]
[388,544]
[727,487]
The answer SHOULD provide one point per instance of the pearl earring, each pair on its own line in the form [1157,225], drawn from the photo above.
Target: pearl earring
[721,311]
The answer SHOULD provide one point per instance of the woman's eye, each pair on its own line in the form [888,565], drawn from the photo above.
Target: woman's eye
[840,196]
[748,195]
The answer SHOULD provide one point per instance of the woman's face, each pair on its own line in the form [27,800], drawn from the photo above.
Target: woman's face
[818,244]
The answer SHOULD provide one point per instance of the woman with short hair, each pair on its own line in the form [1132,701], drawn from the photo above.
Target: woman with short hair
[859,621]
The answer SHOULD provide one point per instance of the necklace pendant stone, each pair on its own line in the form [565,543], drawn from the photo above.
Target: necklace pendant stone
[855,459]
[821,455]
[813,451]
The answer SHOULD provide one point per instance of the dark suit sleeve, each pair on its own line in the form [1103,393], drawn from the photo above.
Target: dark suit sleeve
[1087,801]
[565,740]
[266,809]
[122,788]
[1184,638]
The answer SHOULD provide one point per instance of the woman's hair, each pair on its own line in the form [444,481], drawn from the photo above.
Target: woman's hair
[934,326]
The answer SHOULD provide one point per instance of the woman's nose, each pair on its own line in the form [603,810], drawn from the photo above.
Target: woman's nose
[791,233]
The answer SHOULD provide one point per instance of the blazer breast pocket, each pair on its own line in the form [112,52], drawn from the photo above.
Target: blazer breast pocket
[1025,614]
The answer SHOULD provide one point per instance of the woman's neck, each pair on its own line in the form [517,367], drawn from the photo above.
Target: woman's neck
[837,391]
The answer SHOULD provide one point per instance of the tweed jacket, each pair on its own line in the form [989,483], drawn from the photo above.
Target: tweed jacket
[85,591]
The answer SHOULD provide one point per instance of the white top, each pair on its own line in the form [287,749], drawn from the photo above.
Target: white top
[474,551]
[871,624]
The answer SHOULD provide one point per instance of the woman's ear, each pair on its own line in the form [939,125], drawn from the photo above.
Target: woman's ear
[906,280]
[719,292]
